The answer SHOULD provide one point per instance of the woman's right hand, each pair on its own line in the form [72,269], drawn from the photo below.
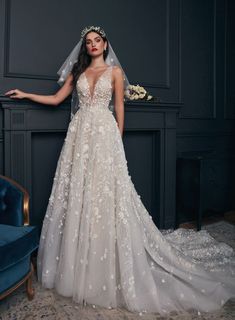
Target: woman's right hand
[53,99]
[16,94]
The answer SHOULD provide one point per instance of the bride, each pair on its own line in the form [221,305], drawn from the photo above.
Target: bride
[98,243]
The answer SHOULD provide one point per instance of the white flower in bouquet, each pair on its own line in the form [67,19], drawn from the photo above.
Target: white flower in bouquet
[127,94]
[136,92]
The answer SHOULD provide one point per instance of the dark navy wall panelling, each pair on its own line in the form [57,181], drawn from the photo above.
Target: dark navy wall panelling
[181,50]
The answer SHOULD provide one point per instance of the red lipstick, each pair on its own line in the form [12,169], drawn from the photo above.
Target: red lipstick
[94,49]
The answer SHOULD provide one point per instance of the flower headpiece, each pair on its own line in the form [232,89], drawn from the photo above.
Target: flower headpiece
[92,28]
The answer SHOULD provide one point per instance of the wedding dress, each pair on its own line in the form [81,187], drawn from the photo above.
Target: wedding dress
[99,244]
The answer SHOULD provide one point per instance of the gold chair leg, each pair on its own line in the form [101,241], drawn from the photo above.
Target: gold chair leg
[29,284]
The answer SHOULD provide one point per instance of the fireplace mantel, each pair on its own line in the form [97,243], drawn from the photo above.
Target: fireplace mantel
[34,133]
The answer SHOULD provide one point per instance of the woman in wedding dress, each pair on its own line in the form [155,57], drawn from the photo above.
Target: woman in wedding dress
[99,244]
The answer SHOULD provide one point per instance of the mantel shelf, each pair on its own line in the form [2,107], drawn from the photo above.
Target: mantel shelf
[137,103]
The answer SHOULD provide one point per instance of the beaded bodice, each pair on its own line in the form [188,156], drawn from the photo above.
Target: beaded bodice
[102,92]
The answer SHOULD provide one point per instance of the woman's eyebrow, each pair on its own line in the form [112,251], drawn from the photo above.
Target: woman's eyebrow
[94,38]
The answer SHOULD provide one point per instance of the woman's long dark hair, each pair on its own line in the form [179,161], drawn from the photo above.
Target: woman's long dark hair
[84,59]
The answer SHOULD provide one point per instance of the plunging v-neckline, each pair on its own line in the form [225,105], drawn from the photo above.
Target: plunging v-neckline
[98,79]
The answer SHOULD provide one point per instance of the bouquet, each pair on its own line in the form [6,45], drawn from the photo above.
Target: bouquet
[136,92]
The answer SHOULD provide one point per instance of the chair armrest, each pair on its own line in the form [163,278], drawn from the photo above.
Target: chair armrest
[25,198]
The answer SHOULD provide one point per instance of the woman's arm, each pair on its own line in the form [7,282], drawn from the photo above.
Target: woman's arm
[119,97]
[53,100]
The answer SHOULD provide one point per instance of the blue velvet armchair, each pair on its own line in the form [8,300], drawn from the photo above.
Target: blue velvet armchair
[17,239]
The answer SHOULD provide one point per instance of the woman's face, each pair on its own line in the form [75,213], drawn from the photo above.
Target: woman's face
[95,44]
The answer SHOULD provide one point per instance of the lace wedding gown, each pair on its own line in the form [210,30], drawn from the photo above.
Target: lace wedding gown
[99,244]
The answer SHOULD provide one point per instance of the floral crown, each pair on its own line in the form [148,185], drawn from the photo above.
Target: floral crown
[92,28]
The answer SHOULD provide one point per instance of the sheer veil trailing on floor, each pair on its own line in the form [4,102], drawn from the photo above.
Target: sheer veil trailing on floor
[99,244]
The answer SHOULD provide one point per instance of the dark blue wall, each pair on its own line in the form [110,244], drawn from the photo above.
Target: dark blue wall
[181,50]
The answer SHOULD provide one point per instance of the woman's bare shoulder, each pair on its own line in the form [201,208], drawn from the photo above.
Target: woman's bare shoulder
[117,71]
